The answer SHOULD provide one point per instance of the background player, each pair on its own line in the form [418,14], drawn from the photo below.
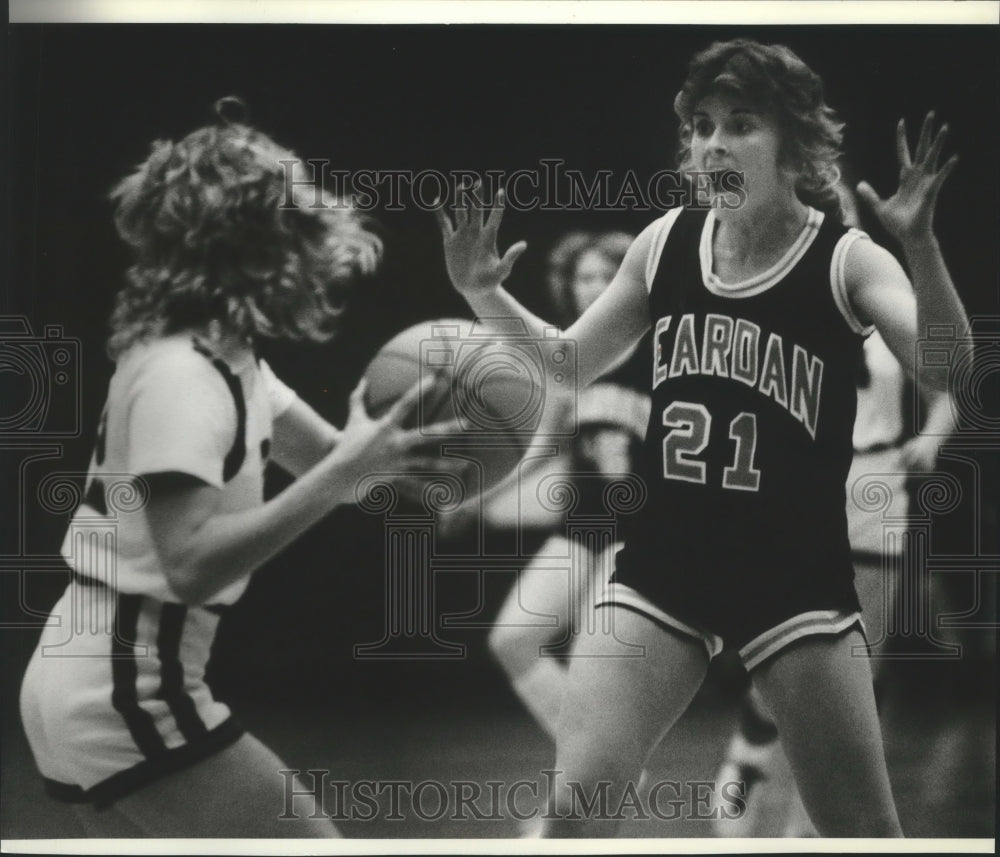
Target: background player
[699,566]
[611,418]
[120,717]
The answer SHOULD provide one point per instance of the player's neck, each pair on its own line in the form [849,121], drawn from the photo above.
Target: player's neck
[752,233]
[228,344]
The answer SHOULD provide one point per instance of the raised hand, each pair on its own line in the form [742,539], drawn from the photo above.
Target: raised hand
[470,245]
[909,212]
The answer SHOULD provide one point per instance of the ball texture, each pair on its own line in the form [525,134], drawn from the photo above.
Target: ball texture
[490,391]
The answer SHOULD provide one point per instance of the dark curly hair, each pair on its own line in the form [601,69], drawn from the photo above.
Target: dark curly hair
[563,259]
[214,239]
[776,79]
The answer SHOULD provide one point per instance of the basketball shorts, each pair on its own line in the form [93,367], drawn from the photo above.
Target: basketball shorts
[756,609]
[114,695]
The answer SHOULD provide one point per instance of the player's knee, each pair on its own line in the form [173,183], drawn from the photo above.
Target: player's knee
[593,756]
[514,650]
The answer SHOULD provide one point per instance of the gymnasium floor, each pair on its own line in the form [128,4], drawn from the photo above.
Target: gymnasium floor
[939,726]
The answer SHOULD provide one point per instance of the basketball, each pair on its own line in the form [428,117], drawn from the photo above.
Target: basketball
[492,388]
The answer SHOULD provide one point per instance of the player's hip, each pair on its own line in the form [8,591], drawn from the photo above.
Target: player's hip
[117,681]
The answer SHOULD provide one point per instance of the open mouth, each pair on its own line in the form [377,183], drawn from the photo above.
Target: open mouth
[715,179]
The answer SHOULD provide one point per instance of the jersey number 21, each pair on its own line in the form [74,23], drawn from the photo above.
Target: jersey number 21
[689,426]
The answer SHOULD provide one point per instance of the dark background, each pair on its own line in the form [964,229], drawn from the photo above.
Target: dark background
[86,101]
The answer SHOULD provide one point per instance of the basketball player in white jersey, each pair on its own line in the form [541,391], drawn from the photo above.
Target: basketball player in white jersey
[173,522]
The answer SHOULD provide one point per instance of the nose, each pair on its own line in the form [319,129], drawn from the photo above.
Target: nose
[717,142]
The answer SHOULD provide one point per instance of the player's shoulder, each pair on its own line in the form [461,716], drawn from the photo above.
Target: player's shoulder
[170,365]
[662,223]
[866,262]
[653,239]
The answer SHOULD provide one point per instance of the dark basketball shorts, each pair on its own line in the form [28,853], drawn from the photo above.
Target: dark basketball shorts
[757,613]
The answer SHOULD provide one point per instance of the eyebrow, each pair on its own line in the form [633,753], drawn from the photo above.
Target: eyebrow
[747,110]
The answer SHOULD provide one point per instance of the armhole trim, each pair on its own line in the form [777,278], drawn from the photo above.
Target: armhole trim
[659,242]
[838,282]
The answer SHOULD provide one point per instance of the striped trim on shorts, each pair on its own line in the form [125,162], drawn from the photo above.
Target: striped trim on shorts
[620,595]
[830,622]
[758,650]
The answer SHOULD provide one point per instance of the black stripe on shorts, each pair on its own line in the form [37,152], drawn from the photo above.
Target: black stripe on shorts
[168,644]
[125,782]
[125,673]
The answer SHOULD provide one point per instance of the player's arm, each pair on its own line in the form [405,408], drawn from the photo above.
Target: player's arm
[920,453]
[878,288]
[202,550]
[301,438]
[605,333]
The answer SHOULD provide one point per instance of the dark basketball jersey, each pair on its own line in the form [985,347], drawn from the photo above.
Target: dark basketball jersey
[750,435]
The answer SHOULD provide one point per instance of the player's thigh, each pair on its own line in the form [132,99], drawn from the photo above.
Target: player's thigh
[820,692]
[543,586]
[538,607]
[240,791]
[876,592]
[628,683]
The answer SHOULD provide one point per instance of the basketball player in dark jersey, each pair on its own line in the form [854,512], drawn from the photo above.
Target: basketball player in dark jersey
[759,310]
[881,450]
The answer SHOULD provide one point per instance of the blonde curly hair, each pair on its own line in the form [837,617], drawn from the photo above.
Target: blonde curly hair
[215,237]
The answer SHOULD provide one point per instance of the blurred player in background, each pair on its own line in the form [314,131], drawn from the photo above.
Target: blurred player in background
[119,718]
[544,607]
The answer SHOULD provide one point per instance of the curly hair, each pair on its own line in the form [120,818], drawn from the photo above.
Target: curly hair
[563,259]
[775,78]
[213,238]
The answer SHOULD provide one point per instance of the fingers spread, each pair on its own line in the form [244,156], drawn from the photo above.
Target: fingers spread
[476,205]
[444,221]
[941,176]
[406,403]
[357,397]
[496,214]
[934,152]
[867,193]
[510,257]
[925,138]
[445,427]
[438,464]
[902,147]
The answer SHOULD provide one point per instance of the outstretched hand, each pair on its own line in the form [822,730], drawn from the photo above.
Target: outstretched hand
[910,210]
[470,245]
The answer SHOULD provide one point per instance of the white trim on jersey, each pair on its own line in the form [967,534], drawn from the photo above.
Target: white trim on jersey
[838,282]
[805,624]
[765,280]
[659,241]
[620,595]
